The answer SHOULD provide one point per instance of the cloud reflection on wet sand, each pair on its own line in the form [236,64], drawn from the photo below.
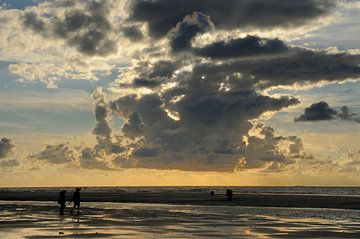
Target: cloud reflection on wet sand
[114,220]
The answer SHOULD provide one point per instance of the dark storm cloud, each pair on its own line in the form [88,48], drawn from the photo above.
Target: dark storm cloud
[144,114]
[298,66]
[163,69]
[227,107]
[210,125]
[146,83]
[248,46]
[5,147]
[55,154]
[31,20]
[318,111]
[133,33]
[306,67]
[152,75]
[187,29]
[134,127]
[201,123]
[163,15]
[322,111]
[88,29]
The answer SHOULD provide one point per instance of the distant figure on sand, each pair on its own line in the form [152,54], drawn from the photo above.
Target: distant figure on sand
[212,193]
[61,201]
[229,195]
[76,200]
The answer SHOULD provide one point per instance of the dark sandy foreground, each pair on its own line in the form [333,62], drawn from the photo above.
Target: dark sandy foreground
[195,198]
[40,220]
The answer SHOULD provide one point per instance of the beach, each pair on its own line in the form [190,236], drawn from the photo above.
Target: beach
[179,213]
[24,219]
[192,196]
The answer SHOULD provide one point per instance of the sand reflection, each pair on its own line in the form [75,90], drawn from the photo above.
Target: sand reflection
[115,220]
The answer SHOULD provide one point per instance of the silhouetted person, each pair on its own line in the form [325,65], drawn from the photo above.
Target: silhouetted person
[212,193]
[229,195]
[76,200]
[61,201]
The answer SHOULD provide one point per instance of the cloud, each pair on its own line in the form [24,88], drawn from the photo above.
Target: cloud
[133,33]
[145,74]
[201,114]
[5,147]
[346,114]
[322,111]
[11,163]
[44,57]
[89,159]
[195,106]
[34,23]
[297,67]
[187,29]
[163,15]
[96,157]
[146,152]
[318,111]
[134,127]
[102,127]
[124,162]
[87,29]
[101,155]
[336,161]
[55,154]
[162,68]
[209,127]
[138,82]
[266,152]
[248,46]
[50,74]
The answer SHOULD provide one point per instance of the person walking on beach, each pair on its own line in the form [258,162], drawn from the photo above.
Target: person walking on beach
[61,201]
[229,195]
[76,200]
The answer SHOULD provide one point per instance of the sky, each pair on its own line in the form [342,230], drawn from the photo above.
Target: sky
[169,92]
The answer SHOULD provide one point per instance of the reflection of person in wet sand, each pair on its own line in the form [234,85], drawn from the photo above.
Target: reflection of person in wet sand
[62,201]
[76,200]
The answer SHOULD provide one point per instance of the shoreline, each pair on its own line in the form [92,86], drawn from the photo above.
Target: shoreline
[197,198]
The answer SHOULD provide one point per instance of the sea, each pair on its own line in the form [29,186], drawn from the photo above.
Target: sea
[303,190]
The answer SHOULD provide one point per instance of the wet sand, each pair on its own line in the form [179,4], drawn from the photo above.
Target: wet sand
[195,198]
[107,213]
[24,219]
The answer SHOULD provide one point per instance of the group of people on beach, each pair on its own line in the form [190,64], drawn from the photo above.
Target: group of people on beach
[228,193]
[75,199]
